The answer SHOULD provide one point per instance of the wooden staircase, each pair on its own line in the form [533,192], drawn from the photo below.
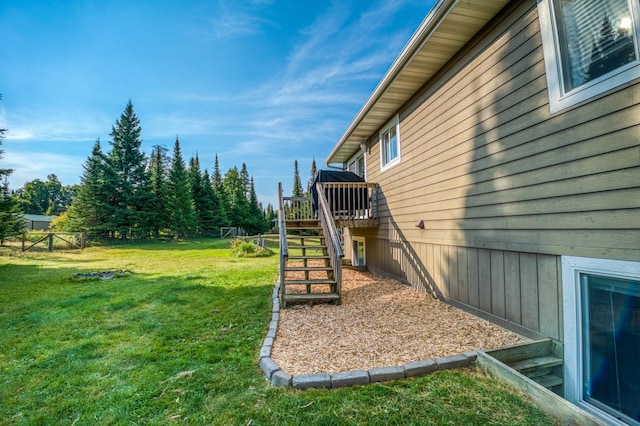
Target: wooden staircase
[308,274]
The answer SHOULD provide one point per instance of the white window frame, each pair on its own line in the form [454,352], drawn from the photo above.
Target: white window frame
[572,267]
[395,122]
[558,99]
[354,250]
[355,161]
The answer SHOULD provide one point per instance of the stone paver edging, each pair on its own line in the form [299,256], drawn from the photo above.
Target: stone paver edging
[279,377]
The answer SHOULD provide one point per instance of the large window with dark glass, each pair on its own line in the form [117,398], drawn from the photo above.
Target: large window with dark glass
[610,345]
[590,47]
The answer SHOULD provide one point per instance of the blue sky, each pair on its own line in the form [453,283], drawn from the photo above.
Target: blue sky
[262,82]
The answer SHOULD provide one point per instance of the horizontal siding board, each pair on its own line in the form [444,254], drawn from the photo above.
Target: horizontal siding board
[520,165]
[483,152]
[459,209]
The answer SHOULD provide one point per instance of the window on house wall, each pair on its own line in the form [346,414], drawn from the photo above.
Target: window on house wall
[390,144]
[358,258]
[590,47]
[602,337]
[357,165]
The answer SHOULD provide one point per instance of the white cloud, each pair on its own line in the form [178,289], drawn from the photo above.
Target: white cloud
[33,165]
[46,127]
[231,19]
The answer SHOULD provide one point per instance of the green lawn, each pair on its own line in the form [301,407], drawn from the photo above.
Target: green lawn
[177,340]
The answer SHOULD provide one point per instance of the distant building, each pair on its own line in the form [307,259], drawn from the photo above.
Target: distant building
[36,222]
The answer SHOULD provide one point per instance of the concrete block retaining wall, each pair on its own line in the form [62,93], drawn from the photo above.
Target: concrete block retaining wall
[278,377]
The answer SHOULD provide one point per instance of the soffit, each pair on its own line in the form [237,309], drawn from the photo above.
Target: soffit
[446,29]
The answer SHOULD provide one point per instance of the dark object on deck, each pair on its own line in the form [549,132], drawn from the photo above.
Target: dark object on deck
[340,199]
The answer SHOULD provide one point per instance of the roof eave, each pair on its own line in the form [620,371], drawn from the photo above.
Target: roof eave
[347,146]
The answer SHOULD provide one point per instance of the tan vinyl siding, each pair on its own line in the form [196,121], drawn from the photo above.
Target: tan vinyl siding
[485,164]
[505,188]
[518,290]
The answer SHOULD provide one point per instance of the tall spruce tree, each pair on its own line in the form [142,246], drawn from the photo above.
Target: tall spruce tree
[11,220]
[238,202]
[221,193]
[297,183]
[202,199]
[131,201]
[218,218]
[256,220]
[158,167]
[90,209]
[244,176]
[180,204]
[314,170]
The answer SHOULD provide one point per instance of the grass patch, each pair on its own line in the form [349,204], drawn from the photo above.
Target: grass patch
[176,341]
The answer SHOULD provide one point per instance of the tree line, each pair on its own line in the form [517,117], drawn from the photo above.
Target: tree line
[11,222]
[124,194]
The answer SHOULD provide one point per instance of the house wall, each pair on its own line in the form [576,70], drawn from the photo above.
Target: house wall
[504,188]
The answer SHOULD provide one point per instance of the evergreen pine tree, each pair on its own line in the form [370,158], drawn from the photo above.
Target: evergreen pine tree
[90,208]
[244,177]
[180,205]
[314,170]
[158,167]
[269,215]
[256,219]
[11,220]
[238,202]
[203,197]
[218,188]
[297,184]
[131,201]
[212,224]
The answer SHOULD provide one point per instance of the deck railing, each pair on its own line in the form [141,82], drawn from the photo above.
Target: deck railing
[284,244]
[298,208]
[334,245]
[352,204]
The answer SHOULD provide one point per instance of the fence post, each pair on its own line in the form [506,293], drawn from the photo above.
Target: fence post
[50,242]
[24,239]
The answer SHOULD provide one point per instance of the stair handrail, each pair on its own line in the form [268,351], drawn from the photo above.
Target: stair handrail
[334,246]
[284,244]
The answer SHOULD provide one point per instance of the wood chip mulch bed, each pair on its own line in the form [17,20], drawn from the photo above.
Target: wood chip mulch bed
[380,323]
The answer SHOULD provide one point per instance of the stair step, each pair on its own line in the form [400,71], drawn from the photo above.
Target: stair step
[311,296]
[548,381]
[307,268]
[308,282]
[526,365]
[307,257]
[308,247]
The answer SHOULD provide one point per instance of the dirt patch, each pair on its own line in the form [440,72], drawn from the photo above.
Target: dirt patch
[104,275]
[381,322]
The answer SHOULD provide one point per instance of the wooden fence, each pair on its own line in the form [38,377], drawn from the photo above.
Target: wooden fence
[76,240]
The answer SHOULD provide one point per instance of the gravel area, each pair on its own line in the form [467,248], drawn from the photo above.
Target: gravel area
[381,322]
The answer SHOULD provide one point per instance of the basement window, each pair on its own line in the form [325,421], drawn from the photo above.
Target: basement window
[590,47]
[602,337]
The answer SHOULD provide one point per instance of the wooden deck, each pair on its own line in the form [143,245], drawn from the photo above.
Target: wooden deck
[315,273]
